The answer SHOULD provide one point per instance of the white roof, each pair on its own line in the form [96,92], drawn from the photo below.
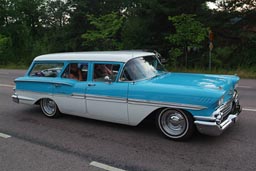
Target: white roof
[112,56]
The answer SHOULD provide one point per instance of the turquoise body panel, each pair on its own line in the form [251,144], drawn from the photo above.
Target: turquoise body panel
[193,89]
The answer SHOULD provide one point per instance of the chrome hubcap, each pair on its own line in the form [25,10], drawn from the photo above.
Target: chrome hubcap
[49,107]
[173,122]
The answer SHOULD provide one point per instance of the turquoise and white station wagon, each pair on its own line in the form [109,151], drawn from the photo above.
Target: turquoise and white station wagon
[127,87]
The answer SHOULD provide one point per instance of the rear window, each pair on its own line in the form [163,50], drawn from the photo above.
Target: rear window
[46,70]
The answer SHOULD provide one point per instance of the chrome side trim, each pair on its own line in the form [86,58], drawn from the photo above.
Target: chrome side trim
[44,81]
[22,98]
[74,95]
[28,91]
[144,102]
[78,96]
[125,100]
[165,104]
[105,98]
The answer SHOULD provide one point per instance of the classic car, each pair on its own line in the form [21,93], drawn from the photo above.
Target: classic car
[133,86]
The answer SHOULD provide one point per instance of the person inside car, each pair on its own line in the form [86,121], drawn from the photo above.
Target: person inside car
[101,70]
[75,72]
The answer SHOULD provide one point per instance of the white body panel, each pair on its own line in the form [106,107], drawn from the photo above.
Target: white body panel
[71,105]
[106,110]
[26,97]
[138,112]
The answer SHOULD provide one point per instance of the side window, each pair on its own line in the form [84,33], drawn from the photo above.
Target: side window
[77,71]
[105,72]
[46,70]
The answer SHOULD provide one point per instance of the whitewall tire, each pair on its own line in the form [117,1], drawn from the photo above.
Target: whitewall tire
[175,124]
[49,108]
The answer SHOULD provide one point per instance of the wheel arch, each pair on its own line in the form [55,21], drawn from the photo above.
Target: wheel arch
[153,114]
[38,101]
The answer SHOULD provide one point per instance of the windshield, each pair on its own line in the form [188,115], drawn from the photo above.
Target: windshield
[142,68]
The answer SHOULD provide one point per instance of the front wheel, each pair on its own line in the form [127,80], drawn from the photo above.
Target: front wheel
[49,108]
[175,124]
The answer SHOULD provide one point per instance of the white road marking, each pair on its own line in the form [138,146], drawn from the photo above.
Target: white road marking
[244,87]
[6,85]
[104,166]
[249,109]
[2,135]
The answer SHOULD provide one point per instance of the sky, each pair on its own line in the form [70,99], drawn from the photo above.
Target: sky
[212,5]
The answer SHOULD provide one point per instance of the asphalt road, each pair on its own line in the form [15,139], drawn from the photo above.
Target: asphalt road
[73,143]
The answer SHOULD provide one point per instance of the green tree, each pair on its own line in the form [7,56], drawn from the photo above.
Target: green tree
[79,22]
[32,27]
[189,33]
[28,13]
[55,14]
[105,34]
[5,44]
[149,20]
[233,24]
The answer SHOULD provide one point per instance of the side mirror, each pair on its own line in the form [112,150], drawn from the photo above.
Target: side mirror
[163,60]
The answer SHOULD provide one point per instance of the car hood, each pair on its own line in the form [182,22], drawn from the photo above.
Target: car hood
[206,81]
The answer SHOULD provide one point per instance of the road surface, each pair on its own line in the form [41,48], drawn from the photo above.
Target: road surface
[30,141]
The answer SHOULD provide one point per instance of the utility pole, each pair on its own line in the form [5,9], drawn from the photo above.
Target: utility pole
[210,48]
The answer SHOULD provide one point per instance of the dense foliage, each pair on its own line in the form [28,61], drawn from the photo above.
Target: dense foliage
[178,29]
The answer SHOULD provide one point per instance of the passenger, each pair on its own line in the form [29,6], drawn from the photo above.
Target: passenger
[75,72]
[101,70]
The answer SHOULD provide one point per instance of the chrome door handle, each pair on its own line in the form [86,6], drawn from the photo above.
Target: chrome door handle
[91,85]
[57,85]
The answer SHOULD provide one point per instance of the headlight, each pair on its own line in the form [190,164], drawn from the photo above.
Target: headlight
[221,101]
[218,117]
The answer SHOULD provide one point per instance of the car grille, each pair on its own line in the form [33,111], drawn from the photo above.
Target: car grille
[227,108]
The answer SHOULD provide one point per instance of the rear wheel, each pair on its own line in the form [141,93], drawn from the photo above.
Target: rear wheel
[175,124]
[49,108]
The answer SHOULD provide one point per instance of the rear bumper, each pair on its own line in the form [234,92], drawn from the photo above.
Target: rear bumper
[15,98]
[217,124]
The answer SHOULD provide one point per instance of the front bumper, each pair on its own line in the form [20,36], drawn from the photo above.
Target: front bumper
[216,125]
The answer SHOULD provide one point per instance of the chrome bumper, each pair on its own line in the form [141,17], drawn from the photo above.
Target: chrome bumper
[15,98]
[214,125]
[214,129]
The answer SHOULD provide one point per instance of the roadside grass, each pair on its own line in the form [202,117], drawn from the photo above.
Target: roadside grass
[14,66]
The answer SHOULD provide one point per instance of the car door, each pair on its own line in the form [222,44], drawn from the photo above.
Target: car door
[106,98]
[69,93]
